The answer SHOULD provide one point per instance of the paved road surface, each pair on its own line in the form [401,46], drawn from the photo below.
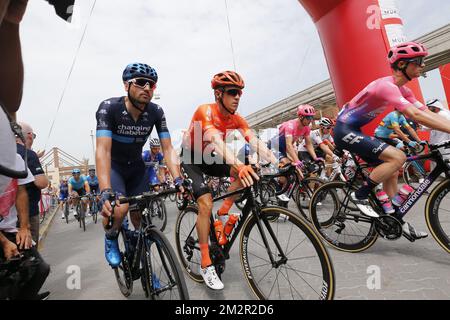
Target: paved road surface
[417,270]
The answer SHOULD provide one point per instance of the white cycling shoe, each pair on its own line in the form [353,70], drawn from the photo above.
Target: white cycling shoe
[364,206]
[411,233]
[283,198]
[211,278]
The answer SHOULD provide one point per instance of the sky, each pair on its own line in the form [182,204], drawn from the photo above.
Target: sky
[276,49]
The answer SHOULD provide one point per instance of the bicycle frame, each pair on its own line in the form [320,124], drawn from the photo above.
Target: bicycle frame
[441,167]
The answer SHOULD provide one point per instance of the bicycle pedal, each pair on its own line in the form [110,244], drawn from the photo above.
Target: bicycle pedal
[408,237]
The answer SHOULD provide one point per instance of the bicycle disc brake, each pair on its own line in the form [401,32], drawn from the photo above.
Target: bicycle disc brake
[388,227]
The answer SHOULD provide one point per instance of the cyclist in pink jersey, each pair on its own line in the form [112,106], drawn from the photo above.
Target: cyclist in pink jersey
[407,63]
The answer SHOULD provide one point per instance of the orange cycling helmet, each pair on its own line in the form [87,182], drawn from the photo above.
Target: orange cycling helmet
[227,78]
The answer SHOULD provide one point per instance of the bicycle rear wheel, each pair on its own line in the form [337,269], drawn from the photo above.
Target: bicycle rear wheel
[186,239]
[123,273]
[338,221]
[437,214]
[162,274]
[303,266]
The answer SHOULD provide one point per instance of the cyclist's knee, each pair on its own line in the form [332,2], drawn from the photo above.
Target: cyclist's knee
[205,203]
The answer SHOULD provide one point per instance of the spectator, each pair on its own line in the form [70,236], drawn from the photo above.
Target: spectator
[40,180]
[436,106]
[14,241]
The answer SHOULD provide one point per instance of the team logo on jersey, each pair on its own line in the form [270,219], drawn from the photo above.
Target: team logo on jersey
[103,111]
[107,102]
[124,113]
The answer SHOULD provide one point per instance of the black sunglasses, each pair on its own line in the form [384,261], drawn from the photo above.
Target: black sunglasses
[234,92]
[142,82]
[17,130]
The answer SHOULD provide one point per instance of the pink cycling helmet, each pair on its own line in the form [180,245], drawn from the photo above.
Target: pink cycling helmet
[407,50]
[304,110]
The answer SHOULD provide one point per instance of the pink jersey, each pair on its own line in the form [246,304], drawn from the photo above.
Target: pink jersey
[374,99]
[291,129]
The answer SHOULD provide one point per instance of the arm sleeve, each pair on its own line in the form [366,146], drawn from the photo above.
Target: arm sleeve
[409,95]
[161,125]
[34,164]
[105,123]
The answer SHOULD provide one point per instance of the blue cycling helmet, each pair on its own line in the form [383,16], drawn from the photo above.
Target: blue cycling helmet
[75,171]
[139,70]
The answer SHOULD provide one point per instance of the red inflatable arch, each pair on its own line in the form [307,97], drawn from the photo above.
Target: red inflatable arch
[356,36]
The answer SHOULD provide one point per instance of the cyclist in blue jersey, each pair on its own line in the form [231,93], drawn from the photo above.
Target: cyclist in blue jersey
[93,185]
[63,194]
[389,131]
[78,187]
[153,160]
[123,126]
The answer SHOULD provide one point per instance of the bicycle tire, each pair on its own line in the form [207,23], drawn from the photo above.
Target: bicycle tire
[66,212]
[330,222]
[158,213]
[433,216]
[186,239]
[169,267]
[42,217]
[320,286]
[83,218]
[123,273]
[303,194]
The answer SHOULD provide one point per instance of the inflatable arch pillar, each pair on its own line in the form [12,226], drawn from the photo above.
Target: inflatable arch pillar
[356,36]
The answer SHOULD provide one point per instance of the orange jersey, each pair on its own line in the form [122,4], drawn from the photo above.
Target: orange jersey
[207,118]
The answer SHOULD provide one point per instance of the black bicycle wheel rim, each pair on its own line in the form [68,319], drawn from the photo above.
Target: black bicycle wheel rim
[358,233]
[162,266]
[321,278]
[437,214]
[123,271]
[186,239]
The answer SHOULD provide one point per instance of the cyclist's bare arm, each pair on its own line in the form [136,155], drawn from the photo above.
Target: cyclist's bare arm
[87,187]
[326,149]
[291,150]
[103,162]
[413,133]
[427,118]
[309,146]
[171,157]
[400,133]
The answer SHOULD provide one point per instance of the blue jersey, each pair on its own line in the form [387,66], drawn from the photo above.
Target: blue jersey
[129,136]
[386,126]
[93,183]
[151,160]
[77,185]
[64,189]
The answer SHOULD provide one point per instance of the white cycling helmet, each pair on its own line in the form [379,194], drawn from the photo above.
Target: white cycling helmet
[154,143]
[325,122]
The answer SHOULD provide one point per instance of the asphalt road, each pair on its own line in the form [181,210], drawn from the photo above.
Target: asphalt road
[406,270]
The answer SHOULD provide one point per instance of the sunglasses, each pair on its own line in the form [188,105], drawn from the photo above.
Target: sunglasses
[234,92]
[142,83]
[308,117]
[419,60]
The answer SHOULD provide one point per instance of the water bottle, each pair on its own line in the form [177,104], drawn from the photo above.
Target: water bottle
[218,228]
[229,226]
[385,202]
[402,195]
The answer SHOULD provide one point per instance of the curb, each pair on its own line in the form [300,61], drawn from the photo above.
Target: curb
[43,230]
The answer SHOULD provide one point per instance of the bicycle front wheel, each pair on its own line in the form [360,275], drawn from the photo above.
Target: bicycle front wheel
[437,214]
[162,273]
[298,267]
[123,273]
[158,213]
[338,221]
[303,195]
